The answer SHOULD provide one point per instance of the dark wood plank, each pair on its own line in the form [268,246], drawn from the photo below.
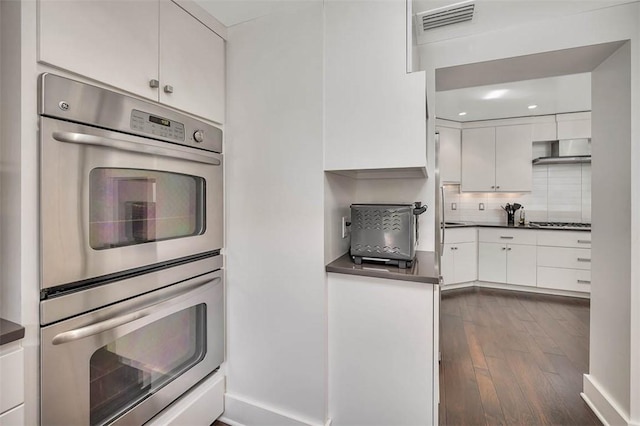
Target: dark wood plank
[513,358]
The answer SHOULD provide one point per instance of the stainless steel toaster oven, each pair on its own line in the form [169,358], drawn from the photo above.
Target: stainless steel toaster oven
[385,233]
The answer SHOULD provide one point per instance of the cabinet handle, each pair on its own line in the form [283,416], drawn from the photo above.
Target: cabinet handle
[509,249]
[498,187]
[504,248]
[584,282]
[168,89]
[506,238]
[584,241]
[493,187]
[583,259]
[154,84]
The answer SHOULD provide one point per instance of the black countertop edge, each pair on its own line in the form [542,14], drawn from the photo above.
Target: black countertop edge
[424,269]
[504,225]
[10,331]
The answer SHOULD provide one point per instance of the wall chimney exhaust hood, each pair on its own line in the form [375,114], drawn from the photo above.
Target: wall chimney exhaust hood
[567,151]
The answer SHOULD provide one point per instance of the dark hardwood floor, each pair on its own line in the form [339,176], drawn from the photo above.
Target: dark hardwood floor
[512,358]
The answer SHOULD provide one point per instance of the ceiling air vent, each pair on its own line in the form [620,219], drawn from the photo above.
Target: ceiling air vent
[447,15]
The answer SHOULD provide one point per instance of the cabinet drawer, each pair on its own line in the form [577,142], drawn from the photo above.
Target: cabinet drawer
[564,257]
[12,383]
[506,236]
[564,239]
[460,235]
[564,279]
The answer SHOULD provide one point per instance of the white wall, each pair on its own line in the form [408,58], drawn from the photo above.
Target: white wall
[340,193]
[611,235]
[276,292]
[606,25]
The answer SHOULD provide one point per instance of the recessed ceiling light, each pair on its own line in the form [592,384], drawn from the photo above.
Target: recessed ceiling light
[462,113]
[495,94]
[532,106]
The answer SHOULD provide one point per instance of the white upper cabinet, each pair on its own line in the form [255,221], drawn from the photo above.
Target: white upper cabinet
[449,155]
[479,159]
[514,170]
[575,125]
[375,113]
[128,44]
[497,159]
[115,42]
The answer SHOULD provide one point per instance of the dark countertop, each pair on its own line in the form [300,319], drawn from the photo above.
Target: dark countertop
[504,225]
[10,331]
[424,269]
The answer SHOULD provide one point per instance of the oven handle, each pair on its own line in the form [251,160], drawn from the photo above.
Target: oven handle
[122,145]
[93,329]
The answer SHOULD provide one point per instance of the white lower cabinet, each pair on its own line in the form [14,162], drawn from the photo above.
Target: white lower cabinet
[11,384]
[502,260]
[459,261]
[383,362]
[564,261]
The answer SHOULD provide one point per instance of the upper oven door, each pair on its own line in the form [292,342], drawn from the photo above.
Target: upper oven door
[111,202]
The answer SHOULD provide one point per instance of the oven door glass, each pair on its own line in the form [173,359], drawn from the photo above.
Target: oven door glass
[127,370]
[130,206]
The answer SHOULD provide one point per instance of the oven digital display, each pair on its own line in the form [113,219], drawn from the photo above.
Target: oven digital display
[161,121]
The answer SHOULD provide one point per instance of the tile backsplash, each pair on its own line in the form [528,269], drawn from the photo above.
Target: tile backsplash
[560,192]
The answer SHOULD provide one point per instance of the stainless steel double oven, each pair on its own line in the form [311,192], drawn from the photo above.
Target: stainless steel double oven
[132,311]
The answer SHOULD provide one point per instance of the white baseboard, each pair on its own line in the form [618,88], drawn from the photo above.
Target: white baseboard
[500,286]
[602,404]
[239,411]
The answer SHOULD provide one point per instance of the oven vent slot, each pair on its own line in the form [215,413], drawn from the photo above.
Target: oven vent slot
[447,15]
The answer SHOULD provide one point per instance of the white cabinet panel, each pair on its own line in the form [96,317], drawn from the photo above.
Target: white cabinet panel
[514,172]
[450,154]
[478,160]
[497,159]
[507,236]
[192,62]
[492,262]
[12,382]
[564,239]
[521,265]
[138,41]
[544,131]
[466,262]
[375,113]
[564,257]
[460,235]
[447,264]
[574,125]
[377,374]
[123,53]
[564,279]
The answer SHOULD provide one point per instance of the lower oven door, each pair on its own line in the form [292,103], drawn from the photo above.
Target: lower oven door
[124,363]
[111,202]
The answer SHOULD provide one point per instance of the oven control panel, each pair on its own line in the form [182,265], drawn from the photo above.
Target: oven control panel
[157,126]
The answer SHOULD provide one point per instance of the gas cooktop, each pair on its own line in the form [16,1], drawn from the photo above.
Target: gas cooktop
[560,225]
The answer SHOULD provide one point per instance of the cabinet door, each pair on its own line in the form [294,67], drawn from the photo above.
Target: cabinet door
[466,262]
[492,262]
[514,171]
[115,42]
[478,159]
[447,264]
[521,265]
[192,63]
[449,155]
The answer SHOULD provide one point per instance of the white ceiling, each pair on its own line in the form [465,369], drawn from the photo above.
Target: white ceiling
[569,93]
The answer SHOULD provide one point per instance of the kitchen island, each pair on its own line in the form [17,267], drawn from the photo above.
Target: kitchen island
[383,342]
